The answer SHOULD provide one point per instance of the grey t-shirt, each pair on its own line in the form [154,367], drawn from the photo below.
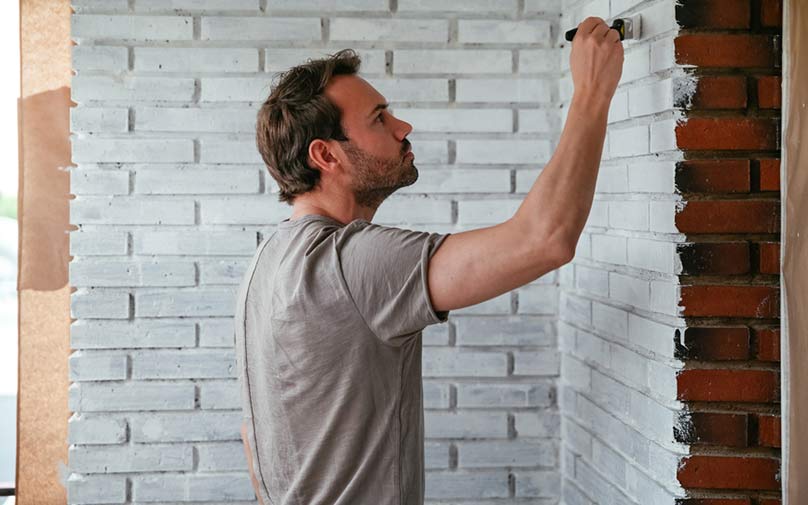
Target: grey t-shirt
[328,344]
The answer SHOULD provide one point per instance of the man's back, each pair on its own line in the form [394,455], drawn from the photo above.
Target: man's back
[328,343]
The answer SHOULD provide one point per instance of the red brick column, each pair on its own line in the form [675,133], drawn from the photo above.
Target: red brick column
[730,278]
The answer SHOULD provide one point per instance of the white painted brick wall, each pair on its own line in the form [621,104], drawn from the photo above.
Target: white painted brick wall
[617,315]
[172,199]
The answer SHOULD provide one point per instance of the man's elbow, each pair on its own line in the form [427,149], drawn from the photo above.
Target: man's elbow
[561,251]
[566,254]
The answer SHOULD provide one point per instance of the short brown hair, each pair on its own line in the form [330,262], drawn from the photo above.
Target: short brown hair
[297,112]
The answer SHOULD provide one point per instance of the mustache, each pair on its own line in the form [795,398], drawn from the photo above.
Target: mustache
[405,146]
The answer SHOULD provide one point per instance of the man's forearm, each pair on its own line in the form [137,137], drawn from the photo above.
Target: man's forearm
[558,204]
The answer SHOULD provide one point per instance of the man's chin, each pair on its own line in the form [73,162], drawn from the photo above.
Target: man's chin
[412,176]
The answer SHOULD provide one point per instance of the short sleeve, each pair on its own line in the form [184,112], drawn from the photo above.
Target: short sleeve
[385,271]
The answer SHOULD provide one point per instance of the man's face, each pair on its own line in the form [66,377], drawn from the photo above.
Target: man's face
[378,152]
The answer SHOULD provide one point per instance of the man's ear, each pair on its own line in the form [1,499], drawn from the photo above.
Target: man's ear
[323,157]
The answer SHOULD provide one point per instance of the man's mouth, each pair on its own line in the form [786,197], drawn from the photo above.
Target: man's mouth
[408,148]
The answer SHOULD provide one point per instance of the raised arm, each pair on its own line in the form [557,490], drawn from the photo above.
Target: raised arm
[477,265]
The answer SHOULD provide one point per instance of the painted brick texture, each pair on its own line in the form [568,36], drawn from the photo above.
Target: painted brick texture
[695,317]
[172,199]
[731,383]
[716,325]
[618,326]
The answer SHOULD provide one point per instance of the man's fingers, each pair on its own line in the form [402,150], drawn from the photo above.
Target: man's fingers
[601,30]
[613,36]
[589,24]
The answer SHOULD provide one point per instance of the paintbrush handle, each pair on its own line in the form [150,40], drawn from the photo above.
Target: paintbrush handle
[618,24]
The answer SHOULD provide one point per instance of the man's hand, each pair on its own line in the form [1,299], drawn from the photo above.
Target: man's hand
[596,60]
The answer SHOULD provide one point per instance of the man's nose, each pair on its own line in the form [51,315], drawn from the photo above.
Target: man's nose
[403,129]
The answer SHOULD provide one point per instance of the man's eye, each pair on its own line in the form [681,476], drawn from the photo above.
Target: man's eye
[379,118]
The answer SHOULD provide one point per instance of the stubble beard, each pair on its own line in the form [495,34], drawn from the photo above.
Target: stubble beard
[377,178]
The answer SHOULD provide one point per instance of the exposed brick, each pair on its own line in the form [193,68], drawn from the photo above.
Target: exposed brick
[729,216]
[729,133]
[718,344]
[719,92]
[758,386]
[715,258]
[769,92]
[768,344]
[770,258]
[769,501]
[714,429]
[769,431]
[712,50]
[720,472]
[770,175]
[771,13]
[713,13]
[731,301]
[713,176]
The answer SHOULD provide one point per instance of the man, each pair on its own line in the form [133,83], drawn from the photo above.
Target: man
[330,312]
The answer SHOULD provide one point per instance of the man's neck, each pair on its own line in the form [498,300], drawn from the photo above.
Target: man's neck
[344,212]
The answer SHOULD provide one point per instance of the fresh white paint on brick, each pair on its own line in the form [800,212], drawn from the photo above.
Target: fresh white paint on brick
[215,395]
[235,89]
[458,120]
[460,181]
[195,60]
[99,120]
[130,396]
[499,453]
[132,459]
[260,28]
[131,211]
[402,30]
[469,7]
[127,27]
[452,61]
[167,182]
[189,242]
[96,489]
[203,426]
[99,182]
[195,5]
[501,31]
[208,301]
[503,151]
[466,424]
[99,304]
[132,150]
[98,5]
[131,89]
[107,334]
[328,5]
[221,457]
[225,486]
[616,356]
[97,366]
[107,58]
[91,429]
[279,59]
[504,90]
